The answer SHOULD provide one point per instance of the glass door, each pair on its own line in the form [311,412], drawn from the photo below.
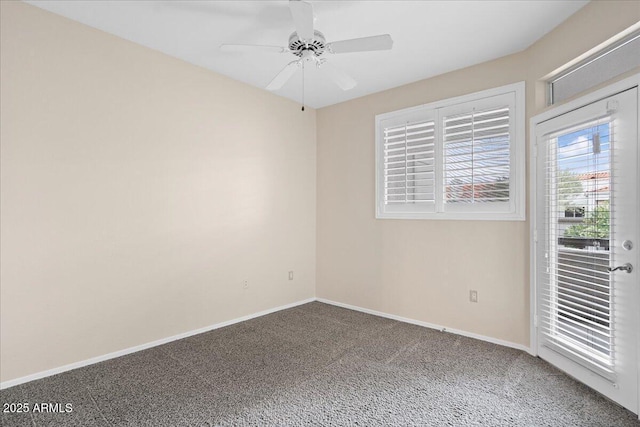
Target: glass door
[586,199]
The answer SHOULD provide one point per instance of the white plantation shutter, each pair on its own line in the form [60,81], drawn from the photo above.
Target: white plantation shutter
[461,158]
[477,156]
[409,163]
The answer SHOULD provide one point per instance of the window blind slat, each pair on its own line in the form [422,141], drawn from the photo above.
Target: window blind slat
[577,334]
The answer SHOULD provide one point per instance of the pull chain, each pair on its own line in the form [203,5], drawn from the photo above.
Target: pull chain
[302,85]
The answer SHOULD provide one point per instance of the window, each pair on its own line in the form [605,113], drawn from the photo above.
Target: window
[461,158]
[615,59]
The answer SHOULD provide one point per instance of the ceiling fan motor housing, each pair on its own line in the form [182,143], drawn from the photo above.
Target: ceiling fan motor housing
[316,45]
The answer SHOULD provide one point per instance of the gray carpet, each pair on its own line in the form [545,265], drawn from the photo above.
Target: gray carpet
[319,365]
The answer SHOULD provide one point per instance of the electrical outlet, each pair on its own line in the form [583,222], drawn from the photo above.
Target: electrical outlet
[291,275]
[473,296]
[245,284]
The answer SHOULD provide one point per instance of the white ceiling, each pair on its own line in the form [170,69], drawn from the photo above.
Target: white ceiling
[430,37]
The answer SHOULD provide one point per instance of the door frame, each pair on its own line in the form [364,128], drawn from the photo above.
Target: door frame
[606,92]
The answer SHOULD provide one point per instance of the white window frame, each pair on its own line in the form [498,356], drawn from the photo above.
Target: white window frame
[515,211]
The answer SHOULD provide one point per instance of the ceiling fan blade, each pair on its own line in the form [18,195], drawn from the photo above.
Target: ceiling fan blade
[283,76]
[302,14]
[338,76]
[364,44]
[252,48]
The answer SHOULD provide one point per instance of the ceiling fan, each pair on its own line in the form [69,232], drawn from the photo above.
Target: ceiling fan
[309,45]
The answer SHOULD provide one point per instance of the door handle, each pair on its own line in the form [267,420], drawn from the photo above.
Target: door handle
[627,267]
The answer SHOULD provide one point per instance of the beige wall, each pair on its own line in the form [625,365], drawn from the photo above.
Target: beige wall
[138,192]
[424,269]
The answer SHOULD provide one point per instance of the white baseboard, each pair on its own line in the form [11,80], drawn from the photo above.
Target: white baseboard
[97,359]
[428,325]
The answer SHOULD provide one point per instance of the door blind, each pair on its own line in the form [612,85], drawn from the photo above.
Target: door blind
[577,293]
[409,163]
[477,156]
